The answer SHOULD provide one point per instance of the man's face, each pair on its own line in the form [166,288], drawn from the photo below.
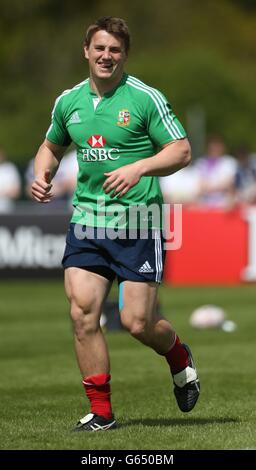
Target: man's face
[106,56]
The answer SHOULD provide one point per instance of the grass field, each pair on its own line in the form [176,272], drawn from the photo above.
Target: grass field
[41,392]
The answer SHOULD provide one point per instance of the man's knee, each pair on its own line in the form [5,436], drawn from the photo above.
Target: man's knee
[136,324]
[139,328]
[84,320]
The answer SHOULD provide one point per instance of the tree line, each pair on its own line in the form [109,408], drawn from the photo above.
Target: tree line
[200,53]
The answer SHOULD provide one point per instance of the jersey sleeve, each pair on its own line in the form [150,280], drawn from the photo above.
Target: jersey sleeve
[57,132]
[162,124]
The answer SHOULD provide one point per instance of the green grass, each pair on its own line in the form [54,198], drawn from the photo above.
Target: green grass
[41,392]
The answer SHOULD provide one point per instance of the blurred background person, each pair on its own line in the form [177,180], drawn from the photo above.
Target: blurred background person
[64,181]
[216,172]
[10,183]
[245,177]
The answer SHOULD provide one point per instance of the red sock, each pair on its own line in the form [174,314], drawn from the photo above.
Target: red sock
[97,389]
[177,357]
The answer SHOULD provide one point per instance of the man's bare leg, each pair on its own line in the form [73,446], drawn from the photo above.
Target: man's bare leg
[86,292]
[139,316]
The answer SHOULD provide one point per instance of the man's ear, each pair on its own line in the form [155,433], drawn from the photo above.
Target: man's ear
[86,52]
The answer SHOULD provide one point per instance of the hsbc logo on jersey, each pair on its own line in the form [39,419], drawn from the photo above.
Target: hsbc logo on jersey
[97,152]
[97,141]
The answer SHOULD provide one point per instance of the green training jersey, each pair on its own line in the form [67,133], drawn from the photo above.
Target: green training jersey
[129,123]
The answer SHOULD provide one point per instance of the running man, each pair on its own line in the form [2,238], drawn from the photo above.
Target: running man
[126,135]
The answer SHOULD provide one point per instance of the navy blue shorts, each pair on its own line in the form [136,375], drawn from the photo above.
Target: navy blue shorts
[139,260]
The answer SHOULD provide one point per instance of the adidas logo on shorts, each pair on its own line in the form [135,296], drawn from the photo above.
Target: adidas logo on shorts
[146,268]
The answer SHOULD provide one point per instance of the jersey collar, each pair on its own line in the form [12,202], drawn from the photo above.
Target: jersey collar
[111,92]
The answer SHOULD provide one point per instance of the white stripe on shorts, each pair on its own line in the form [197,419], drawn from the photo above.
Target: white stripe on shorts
[158,256]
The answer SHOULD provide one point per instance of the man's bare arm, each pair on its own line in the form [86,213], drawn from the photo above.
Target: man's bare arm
[170,159]
[46,164]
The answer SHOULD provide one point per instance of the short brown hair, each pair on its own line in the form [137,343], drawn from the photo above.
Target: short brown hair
[115,26]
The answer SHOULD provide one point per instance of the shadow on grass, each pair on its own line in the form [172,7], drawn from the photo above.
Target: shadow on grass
[177,422]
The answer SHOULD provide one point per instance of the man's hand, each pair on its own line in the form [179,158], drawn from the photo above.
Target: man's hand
[41,187]
[121,180]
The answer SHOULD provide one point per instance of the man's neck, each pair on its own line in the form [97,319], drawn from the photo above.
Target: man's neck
[103,86]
